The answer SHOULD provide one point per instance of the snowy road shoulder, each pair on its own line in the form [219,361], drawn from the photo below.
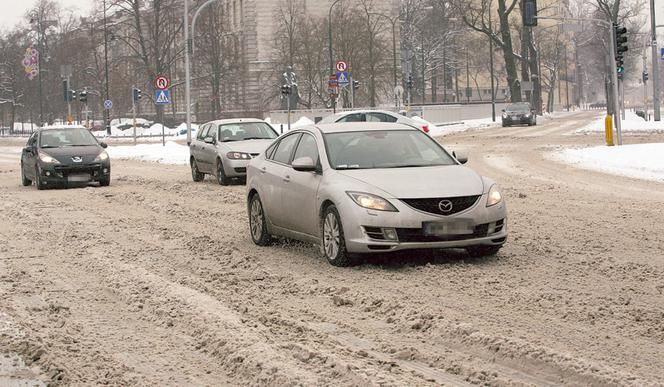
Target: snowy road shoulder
[631,123]
[172,153]
[641,161]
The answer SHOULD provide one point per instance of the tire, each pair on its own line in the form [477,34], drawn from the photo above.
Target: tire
[24,180]
[222,179]
[196,175]
[38,180]
[333,243]
[258,222]
[105,181]
[483,251]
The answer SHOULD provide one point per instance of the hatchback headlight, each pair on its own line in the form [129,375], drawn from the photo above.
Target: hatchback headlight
[47,159]
[238,156]
[371,202]
[494,196]
[103,156]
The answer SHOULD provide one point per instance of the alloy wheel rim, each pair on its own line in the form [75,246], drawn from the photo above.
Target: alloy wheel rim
[256,219]
[331,236]
[220,171]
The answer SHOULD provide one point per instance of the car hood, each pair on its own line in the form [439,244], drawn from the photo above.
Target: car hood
[64,154]
[421,182]
[248,146]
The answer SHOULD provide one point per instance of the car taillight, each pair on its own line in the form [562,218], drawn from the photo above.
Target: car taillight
[425,128]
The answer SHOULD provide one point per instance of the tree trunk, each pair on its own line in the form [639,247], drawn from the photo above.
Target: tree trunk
[508,53]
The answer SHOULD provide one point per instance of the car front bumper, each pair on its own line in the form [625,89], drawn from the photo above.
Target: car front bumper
[74,174]
[363,228]
[518,120]
[235,168]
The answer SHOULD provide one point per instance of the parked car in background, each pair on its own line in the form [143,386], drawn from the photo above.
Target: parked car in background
[224,148]
[519,114]
[373,116]
[371,187]
[62,156]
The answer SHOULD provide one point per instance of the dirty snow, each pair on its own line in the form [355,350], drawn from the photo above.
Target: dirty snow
[641,161]
[172,153]
[632,123]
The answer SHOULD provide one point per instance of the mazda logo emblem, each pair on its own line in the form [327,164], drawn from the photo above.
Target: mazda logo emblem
[77,159]
[445,206]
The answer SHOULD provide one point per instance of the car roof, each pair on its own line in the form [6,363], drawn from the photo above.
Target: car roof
[367,111]
[234,121]
[61,127]
[360,127]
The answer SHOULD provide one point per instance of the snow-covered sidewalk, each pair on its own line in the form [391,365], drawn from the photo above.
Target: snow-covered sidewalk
[172,153]
[631,123]
[641,161]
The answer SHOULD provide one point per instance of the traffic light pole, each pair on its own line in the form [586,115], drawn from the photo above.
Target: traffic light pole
[655,63]
[133,110]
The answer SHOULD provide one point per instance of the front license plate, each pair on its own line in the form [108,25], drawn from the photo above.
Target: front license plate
[448,228]
[78,177]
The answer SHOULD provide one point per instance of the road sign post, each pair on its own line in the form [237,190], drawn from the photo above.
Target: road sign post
[162,97]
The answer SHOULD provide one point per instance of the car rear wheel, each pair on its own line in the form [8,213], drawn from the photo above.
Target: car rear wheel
[222,179]
[196,175]
[258,223]
[333,245]
[482,251]
[24,180]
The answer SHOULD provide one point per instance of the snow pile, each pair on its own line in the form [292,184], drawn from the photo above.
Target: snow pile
[442,130]
[632,123]
[172,153]
[641,161]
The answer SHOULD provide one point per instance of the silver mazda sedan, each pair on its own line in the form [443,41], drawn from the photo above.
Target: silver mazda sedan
[368,187]
[223,148]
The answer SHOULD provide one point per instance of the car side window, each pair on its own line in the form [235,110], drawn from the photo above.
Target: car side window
[380,117]
[32,141]
[285,148]
[202,131]
[270,150]
[307,148]
[354,117]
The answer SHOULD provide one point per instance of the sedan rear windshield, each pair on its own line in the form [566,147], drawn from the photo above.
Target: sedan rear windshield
[384,149]
[57,138]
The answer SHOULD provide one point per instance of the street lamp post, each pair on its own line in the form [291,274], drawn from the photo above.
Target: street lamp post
[493,87]
[187,74]
[329,43]
[655,64]
[107,118]
[393,21]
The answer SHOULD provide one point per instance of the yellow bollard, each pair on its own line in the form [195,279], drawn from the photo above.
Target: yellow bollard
[608,129]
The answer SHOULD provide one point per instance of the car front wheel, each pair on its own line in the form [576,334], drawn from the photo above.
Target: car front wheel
[105,181]
[333,245]
[222,179]
[257,222]
[38,181]
[196,175]
[24,180]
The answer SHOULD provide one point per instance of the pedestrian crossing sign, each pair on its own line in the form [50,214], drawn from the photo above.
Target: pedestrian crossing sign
[342,78]
[162,97]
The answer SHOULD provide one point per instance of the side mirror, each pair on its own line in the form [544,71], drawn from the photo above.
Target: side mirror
[502,110]
[103,145]
[209,140]
[304,164]
[27,149]
[461,158]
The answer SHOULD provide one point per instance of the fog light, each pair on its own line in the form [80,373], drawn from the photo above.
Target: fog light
[48,173]
[105,170]
[390,234]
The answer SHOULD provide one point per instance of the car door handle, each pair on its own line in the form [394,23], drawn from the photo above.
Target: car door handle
[263,170]
[286,179]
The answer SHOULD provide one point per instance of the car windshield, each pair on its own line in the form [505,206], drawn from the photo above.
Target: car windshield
[518,109]
[384,149]
[246,131]
[56,138]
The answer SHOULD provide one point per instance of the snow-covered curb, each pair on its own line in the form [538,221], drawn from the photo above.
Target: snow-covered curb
[172,153]
[631,123]
[641,161]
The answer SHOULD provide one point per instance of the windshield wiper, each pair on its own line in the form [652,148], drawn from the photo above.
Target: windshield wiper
[50,146]
[411,166]
[228,140]
[257,138]
[343,167]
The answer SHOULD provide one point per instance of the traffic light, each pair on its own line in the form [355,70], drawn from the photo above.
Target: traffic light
[645,76]
[356,85]
[72,96]
[83,96]
[529,13]
[285,89]
[409,83]
[137,94]
[621,47]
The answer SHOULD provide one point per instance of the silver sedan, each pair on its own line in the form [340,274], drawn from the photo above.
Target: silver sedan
[223,148]
[367,188]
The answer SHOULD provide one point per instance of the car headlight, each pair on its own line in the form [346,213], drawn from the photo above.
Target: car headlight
[371,202]
[47,159]
[238,156]
[494,196]
[504,115]
[103,156]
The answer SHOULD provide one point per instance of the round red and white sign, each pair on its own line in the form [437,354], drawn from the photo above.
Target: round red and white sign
[162,82]
[342,66]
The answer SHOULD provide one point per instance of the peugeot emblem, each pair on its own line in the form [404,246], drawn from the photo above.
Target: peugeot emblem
[445,206]
[77,159]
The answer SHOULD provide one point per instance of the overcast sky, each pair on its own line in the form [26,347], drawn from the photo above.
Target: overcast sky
[12,11]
